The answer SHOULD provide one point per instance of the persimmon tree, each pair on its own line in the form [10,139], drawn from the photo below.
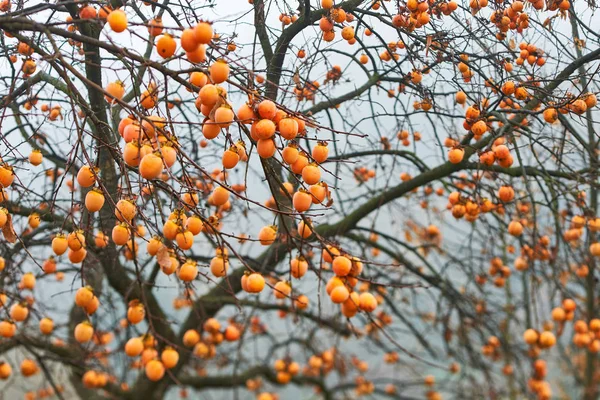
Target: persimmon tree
[286,199]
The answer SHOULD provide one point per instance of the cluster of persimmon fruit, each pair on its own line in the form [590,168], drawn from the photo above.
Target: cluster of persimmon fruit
[192,40]
[512,17]
[463,207]
[416,14]
[545,339]
[339,16]
[478,124]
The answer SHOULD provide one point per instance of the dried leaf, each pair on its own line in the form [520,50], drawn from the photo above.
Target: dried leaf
[9,231]
[429,40]
[297,81]
[447,334]
[163,257]
[219,103]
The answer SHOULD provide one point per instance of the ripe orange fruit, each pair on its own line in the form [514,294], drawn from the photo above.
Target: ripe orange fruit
[339,294]
[290,154]
[123,124]
[148,99]
[515,228]
[194,224]
[550,115]
[318,192]
[298,267]
[120,234]
[305,229]
[264,129]
[209,95]
[188,271]
[198,55]
[132,154]
[348,33]
[36,157]
[302,200]
[546,339]
[288,128]
[198,79]
[224,116]
[125,210]
[203,32]
[86,176]
[94,200]
[49,266]
[155,370]
[190,338]
[506,194]
[367,302]
[267,109]
[87,12]
[84,332]
[210,129]
[77,256]
[151,166]
[595,249]
[219,266]
[185,240]
[281,290]
[232,333]
[246,114]
[117,20]
[320,152]
[114,91]
[311,174]
[456,155]
[84,296]
[255,283]
[350,306]
[169,357]
[92,306]
[267,235]
[7,175]
[266,148]
[101,240]
[7,329]
[135,312]
[155,27]
[301,162]
[133,131]
[134,347]
[18,312]
[219,196]
[301,303]
[188,40]
[325,24]
[75,240]
[170,229]
[166,46]
[33,220]
[154,244]
[341,265]
[28,281]
[219,71]
[28,367]
[230,158]
[5,370]
[169,155]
